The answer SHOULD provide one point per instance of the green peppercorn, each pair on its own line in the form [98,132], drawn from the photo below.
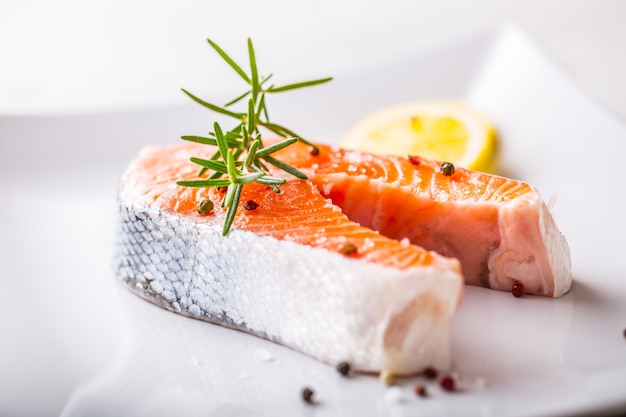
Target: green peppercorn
[204,206]
[349,249]
[387,378]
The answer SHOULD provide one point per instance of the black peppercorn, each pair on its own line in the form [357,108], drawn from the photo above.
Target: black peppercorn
[343,368]
[251,205]
[447,169]
[307,395]
[429,373]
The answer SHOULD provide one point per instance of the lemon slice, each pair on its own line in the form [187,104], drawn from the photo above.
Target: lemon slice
[440,129]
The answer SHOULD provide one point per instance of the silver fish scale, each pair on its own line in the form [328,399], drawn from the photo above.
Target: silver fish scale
[320,303]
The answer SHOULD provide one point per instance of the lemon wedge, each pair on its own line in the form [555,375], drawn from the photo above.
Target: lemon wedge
[439,129]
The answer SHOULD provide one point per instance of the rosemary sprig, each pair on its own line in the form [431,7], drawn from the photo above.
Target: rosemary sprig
[241,157]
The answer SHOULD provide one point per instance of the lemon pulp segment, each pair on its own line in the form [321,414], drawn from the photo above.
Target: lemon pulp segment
[440,130]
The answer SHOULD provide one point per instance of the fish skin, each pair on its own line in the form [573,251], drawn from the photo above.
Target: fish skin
[315,300]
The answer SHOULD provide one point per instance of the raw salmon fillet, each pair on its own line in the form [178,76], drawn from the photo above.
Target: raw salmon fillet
[336,266]
[295,270]
[500,229]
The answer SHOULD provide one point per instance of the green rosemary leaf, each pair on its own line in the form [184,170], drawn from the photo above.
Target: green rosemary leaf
[283,131]
[232,208]
[275,147]
[294,86]
[233,172]
[254,71]
[251,117]
[258,164]
[248,178]
[285,167]
[222,144]
[237,99]
[252,154]
[230,138]
[199,139]
[278,129]
[209,164]
[214,157]
[269,180]
[213,107]
[264,81]
[237,154]
[260,107]
[204,183]
[235,132]
[230,61]
[274,187]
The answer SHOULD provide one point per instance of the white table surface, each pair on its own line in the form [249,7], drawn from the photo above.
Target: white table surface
[69,57]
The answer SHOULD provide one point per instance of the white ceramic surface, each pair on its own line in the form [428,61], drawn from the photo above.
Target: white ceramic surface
[76,342]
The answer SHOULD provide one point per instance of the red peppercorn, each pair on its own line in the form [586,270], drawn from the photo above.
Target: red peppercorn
[447,383]
[250,205]
[415,160]
[420,390]
[517,289]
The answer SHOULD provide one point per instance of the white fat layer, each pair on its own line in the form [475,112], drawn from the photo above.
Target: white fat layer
[321,303]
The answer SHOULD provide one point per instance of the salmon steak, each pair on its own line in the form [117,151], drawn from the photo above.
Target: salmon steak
[364,262]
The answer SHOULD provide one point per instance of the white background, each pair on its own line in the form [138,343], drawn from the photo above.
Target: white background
[60,55]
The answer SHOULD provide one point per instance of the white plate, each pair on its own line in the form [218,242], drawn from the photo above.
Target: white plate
[75,340]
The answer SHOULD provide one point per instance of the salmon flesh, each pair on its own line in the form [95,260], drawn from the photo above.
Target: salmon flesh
[363,262]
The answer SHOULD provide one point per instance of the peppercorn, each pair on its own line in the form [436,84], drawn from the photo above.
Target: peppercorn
[447,383]
[343,368]
[429,373]
[307,395]
[420,390]
[204,206]
[349,249]
[415,160]
[517,289]
[251,205]
[387,378]
[447,168]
